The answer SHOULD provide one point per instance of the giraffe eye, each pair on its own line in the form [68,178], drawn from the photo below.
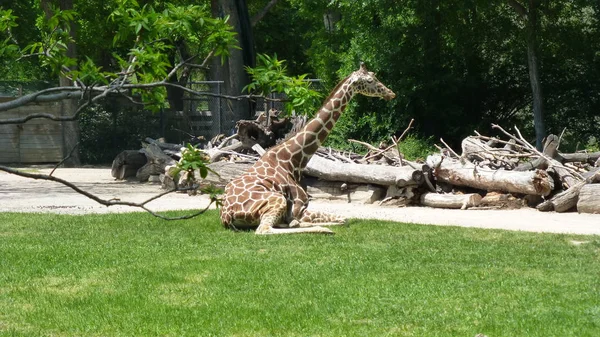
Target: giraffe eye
[370,80]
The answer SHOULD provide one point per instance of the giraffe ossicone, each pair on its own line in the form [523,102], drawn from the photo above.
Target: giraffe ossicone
[268,196]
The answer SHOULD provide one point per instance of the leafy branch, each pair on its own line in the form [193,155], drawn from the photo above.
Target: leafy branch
[148,37]
[270,76]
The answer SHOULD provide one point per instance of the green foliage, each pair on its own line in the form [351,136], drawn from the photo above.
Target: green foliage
[270,76]
[192,160]
[131,274]
[108,129]
[55,38]
[156,32]
[90,74]
[143,41]
[593,145]
[415,148]
[7,21]
[458,66]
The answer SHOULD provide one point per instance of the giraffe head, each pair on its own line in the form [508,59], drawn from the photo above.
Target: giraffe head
[365,82]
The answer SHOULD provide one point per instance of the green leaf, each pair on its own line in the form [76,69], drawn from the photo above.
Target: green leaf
[203,172]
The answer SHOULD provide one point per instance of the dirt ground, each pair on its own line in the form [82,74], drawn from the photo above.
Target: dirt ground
[19,194]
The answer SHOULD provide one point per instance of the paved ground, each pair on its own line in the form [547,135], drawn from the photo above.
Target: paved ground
[19,194]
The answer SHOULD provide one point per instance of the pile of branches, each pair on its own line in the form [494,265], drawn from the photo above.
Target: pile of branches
[489,173]
[514,169]
[382,174]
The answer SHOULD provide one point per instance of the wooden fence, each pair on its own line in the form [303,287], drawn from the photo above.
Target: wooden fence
[37,140]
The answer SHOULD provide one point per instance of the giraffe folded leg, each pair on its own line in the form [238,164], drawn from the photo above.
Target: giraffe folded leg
[300,224]
[273,217]
[322,218]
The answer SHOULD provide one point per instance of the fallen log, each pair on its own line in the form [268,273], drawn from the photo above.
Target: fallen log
[462,201]
[475,149]
[567,200]
[589,199]
[338,190]
[225,172]
[580,157]
[363,173]
[127,163]
[164,146]
[562,201]
[466,174]
[157,161]
[566,177]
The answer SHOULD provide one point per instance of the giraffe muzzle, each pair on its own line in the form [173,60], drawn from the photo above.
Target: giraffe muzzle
[389,96]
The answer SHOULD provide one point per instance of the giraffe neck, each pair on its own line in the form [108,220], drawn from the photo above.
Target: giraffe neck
[308,140]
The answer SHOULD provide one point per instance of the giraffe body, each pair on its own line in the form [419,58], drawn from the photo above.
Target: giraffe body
[268,196]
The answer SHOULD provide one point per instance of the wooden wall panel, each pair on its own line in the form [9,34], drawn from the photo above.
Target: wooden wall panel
[36,141]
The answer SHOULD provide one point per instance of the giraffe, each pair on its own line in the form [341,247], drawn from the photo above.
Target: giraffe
[268,196]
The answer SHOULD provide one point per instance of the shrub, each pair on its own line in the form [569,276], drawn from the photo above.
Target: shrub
[415,148]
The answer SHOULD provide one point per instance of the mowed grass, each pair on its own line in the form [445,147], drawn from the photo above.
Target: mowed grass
[135,275]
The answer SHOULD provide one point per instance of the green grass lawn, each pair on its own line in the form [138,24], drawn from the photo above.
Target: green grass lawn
[135,275]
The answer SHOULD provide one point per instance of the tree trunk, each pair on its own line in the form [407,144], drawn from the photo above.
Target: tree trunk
[232,70]
[534,74]
[530,16]
[69,106]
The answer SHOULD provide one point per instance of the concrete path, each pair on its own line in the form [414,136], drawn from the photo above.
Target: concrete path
[19,194]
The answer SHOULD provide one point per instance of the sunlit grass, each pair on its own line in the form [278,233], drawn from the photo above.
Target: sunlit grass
[135,275]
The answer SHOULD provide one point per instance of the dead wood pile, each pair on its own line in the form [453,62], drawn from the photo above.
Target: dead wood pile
[513,168]
[489,173]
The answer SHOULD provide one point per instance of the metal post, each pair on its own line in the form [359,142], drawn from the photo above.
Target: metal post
[219,108]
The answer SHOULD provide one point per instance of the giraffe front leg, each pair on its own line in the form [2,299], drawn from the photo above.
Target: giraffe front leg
[304,218]
[274,215]
[321,218]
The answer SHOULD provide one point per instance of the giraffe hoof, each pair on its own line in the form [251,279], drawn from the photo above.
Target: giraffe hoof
[294,223]
[324,230]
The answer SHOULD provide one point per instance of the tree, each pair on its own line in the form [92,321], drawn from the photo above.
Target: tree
[231,70]
[270,76]
[530,15]
[142,69]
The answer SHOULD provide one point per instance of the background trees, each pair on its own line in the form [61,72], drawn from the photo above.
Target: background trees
[455,66]
[458,66]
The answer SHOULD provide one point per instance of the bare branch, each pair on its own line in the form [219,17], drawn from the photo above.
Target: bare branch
[60,118]
[519,8]
[396,140]
[46,95]
[64,159]
[258,16]
[178,66]
[550,161]
[449,148]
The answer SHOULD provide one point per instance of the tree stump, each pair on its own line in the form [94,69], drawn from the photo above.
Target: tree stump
[127,163]
[589,199]
[157,161]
